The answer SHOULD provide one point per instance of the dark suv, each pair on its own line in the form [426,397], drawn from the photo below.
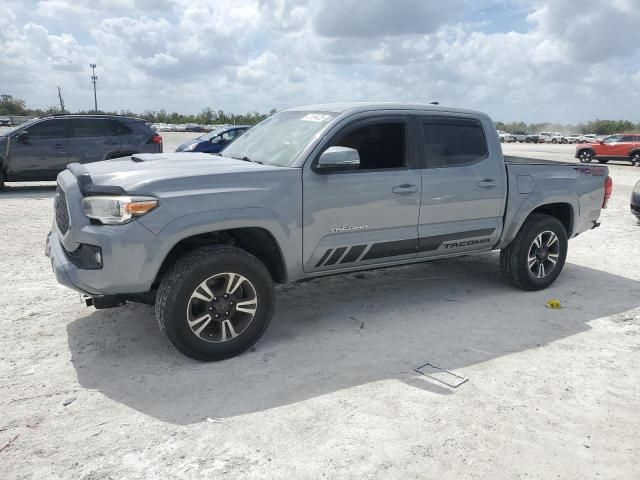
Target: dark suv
[42,148]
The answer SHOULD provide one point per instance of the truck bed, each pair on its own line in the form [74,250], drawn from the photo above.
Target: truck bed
[534,161]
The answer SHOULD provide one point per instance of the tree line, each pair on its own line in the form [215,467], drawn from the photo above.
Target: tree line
[599,127]
[10,105]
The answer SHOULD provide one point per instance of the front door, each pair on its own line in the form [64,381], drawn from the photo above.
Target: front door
[368,215]
[463,187]
[41,152]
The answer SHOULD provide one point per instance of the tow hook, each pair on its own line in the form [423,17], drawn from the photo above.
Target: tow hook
[104,301]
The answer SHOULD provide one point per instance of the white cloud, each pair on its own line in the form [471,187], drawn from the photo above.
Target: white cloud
[572,60]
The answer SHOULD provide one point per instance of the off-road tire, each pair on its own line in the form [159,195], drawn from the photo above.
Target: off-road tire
[179,283]
[514,257]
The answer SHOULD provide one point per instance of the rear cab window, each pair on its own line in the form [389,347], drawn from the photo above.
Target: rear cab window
[453,141]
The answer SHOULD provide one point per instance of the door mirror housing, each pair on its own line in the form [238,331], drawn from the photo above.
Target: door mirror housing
[22,136]
[339,158]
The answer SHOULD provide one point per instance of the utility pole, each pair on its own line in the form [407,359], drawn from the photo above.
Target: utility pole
[61,101]
[94,78]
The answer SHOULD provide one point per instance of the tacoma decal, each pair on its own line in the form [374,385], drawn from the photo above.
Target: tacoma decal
[466,243]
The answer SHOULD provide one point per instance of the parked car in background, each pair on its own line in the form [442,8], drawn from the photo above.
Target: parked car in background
[575,138]
[193,127]
[40,149]
[548,137]
[505,137]
[308,192]
[5,122]
[635,201]
[589,137]
[519,136]
[625,146]
[214,141]
[531,138]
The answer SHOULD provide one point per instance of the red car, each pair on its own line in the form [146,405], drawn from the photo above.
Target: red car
[623,146]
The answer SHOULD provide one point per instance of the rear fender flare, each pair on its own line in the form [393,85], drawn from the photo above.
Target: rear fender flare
[536,200]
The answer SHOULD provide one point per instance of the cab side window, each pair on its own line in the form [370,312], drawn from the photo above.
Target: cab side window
[453,142]
[627,138]
[48,130]
[380,145]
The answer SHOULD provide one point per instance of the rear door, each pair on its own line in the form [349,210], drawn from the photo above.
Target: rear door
[364,216]
[42,153]
[92,139]
[627,143]
[463,186]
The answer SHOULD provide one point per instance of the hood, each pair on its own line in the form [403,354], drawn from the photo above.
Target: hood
[184,145]
[171,172]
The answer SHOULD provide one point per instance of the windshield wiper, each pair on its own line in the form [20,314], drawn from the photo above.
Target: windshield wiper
[247,159]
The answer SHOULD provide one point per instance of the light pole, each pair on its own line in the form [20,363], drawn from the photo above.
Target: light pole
[94,78]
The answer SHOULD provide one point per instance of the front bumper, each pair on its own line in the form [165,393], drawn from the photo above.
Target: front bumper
[126,251]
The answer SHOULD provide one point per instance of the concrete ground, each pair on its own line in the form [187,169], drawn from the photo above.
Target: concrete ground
[330,391]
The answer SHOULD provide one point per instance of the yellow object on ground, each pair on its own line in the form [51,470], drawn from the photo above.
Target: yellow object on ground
[555,304]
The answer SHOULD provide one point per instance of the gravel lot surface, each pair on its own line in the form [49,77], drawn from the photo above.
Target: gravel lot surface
[330,390]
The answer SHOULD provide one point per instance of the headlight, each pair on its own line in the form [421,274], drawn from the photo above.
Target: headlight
[190,148]
[117,210]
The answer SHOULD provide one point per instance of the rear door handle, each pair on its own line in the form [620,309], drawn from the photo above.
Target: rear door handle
[59,146]
[487,183]
[111,142]
[405,189]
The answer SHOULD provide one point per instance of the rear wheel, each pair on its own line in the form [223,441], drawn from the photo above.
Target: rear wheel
[635,159]
[554,140]
[536,256]
[585,156]
[215,302]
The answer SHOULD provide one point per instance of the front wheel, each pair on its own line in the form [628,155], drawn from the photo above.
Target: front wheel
[635,159]
[585,156]
[554,141]
[536,256]
[215,302]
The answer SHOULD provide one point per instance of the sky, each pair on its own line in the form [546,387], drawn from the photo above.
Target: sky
[546,60]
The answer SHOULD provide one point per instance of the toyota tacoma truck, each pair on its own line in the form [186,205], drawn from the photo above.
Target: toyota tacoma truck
[308,192]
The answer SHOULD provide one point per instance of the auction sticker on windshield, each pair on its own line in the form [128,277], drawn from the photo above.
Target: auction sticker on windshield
[316,117]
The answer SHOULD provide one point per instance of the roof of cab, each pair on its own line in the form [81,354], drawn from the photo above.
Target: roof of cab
[357,107]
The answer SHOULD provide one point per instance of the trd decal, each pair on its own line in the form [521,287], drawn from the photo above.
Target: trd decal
[347,228]
[466,244]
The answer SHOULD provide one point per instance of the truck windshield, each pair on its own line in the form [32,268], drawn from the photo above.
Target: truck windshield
[279,139]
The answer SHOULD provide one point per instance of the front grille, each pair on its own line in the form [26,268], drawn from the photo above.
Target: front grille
[62,213]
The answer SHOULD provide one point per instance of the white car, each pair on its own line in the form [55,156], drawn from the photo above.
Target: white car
[548,137]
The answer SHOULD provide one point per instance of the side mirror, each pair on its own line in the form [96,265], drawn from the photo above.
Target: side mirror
[22,137]
[343,158]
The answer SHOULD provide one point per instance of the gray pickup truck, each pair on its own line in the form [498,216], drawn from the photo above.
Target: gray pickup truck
[310,191]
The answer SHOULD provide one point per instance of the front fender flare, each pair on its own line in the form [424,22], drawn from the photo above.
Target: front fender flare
[218,220]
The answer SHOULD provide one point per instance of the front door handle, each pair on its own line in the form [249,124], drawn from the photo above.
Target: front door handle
[111,142]
[405,189]
[487,183]
[59,146]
